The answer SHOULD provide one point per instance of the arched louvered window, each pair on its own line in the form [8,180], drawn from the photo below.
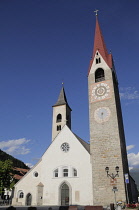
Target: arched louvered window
[99,75]
[59,128]
[59,118]
[98,60]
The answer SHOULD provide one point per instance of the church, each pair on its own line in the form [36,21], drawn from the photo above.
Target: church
[71,171]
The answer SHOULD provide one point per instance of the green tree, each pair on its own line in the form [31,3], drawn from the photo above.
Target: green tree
[6,175]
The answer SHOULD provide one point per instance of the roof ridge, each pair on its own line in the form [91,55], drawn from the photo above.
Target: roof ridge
[84,143]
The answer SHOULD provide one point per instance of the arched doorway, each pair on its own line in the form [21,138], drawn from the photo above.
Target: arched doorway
[64,194]
[28,199]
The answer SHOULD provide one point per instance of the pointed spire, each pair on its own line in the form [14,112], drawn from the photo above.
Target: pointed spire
[62,100]
[99,45]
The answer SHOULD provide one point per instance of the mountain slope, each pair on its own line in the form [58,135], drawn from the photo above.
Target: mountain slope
[135,175]
[16,163]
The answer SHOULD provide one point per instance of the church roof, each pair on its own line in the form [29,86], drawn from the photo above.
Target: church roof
[100,46]
[84,143]
[62,100]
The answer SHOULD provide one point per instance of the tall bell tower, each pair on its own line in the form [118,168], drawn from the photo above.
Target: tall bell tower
[107,139]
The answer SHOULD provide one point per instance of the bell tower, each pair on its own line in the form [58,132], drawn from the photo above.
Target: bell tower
[107,139]
[61,114]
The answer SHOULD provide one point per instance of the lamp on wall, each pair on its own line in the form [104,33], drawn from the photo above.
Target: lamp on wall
[112,175]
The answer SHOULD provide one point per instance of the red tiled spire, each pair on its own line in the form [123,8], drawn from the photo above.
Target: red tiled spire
[99,45]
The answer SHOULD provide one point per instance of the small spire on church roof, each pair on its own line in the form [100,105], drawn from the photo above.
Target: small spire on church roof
[62,100]
[62,97]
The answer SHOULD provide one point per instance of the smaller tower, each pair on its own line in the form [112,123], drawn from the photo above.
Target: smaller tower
[61,114]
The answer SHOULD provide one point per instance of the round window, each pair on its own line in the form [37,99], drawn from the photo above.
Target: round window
[65,147]
[35,174]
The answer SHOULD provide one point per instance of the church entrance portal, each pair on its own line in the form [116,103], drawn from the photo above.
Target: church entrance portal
[28,199]
[64,195]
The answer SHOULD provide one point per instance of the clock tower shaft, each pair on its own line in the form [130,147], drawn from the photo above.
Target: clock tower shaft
[107,139]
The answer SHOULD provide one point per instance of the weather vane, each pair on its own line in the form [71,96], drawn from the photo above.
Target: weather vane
[96,11]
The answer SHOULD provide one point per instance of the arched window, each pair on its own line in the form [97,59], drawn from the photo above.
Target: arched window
[56,172]
[59,118]
[74,172]
[99,75]
[20,194]
[65,172]
[58,127]
[98,60]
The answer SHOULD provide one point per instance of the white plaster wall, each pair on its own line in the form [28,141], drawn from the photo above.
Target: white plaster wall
[28,184]
[77,157]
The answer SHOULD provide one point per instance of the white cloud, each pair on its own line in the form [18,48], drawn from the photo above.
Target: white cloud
[133,159]
[130,168]
[29,165]
[129,93]
[15,146]
[130,147]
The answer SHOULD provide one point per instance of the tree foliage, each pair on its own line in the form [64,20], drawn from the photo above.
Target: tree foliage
[6,174]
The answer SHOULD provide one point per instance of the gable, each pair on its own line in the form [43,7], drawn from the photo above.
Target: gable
[66,135]
[55,156]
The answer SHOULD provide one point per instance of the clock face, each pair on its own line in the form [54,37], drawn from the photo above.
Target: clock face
[100,91]
[65,147]
[102,114]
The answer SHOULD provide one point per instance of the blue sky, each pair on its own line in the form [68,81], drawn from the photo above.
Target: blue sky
[46,42]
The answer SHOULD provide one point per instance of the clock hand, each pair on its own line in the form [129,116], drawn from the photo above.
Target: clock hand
[102,115]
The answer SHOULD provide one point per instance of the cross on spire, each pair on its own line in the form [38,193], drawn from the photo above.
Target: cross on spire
[96,11]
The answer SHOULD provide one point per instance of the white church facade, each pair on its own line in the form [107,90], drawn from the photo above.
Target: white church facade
[64,169]
[61,177]
[71,171]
